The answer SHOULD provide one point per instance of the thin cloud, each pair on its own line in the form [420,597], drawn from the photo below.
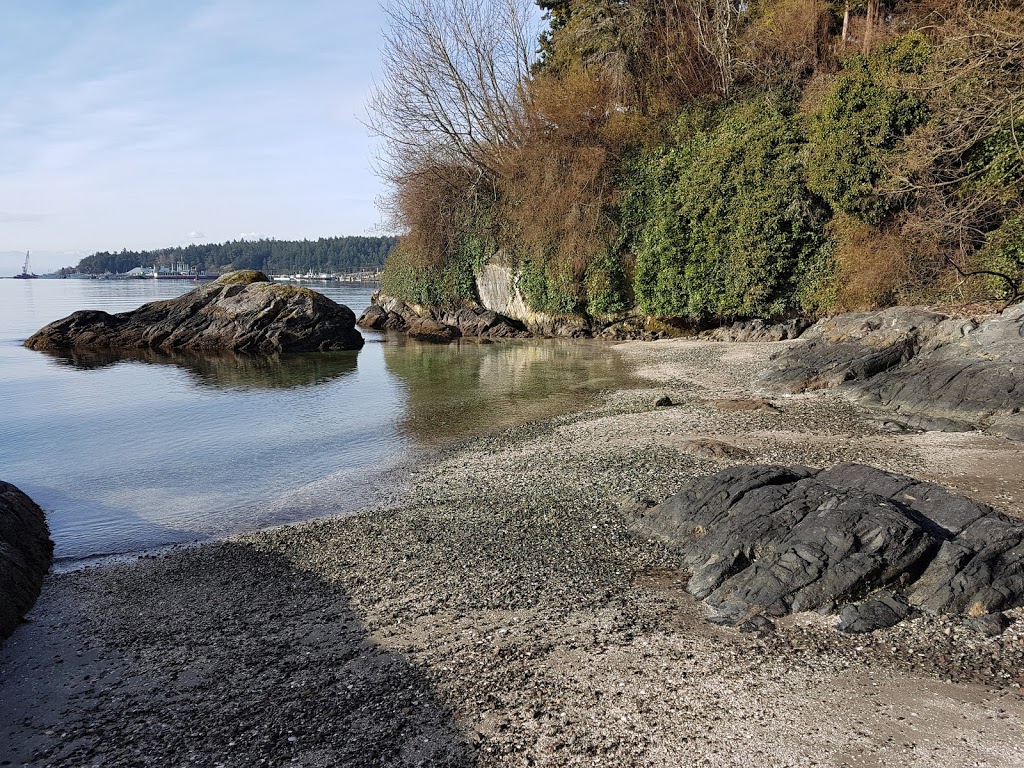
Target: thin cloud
[139,120]
[6,217]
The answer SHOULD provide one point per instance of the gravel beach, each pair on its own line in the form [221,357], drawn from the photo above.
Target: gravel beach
[499,612]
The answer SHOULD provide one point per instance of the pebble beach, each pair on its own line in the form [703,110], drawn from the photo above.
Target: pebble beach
[499,611]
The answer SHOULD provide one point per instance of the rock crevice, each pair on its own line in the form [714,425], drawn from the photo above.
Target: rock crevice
[867,544]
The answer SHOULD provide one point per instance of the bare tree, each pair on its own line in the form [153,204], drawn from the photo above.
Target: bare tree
[452,95]
[715,22]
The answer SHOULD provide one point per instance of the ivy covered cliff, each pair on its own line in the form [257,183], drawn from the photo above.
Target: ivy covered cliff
[700,160]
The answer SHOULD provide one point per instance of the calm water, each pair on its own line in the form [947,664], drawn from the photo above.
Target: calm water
[128,454]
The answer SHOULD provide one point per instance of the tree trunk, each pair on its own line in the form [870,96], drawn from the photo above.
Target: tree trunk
[869,24]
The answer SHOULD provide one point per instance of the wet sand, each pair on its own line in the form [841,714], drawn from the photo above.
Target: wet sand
[500,613]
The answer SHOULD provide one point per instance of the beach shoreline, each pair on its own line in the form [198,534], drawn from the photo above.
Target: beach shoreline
[501,612]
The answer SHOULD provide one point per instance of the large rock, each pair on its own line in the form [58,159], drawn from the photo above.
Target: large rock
[771,540]
[241,312]
[928,370]
[26,553]
[439,324]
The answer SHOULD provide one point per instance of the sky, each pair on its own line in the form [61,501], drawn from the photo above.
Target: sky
[144,123]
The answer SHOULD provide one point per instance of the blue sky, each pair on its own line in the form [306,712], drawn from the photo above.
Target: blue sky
[145,124]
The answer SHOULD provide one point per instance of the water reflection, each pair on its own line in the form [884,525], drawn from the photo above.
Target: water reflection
[227,370]
[460,390]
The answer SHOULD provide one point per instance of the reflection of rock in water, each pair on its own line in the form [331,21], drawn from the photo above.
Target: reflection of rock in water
[229,370]
[550,368]
[461,390]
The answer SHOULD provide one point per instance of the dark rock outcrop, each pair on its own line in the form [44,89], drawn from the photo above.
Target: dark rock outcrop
[26,553]
[429,329]
[869,544]
[440,325]
[474,321]
[241,312]
[856,346]
[925,369]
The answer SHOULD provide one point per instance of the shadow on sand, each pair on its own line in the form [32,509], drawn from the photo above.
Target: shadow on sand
[220,655]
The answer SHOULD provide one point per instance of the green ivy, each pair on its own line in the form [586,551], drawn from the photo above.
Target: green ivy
[450,282]
[1003,251]
[606,285]
[720,222]
[863,119]
[546,288]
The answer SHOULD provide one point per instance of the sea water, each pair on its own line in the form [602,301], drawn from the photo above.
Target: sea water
[137,452]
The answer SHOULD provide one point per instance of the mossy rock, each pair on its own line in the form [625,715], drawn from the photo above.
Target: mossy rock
[292,290]
[243,277]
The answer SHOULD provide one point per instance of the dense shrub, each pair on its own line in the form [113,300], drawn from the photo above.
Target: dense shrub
[714,160]
[547,288]
[607,286]
[862,120]
[407,276]
[723,222]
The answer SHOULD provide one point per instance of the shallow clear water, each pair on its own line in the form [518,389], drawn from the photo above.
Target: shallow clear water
[128,454]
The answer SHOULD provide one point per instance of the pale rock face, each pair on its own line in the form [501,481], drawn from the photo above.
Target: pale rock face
[498,292]
[496,286]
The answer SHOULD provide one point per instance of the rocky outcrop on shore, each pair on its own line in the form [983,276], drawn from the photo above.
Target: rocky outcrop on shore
[925,369]
[439,324]
[763,541]
[240,312]
[26,552]
[474,321]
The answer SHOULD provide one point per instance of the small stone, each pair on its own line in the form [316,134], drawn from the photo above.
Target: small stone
[663,402]
[991,624]
[757,623]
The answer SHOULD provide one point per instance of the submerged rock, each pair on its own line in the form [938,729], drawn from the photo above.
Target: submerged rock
[241,312]
[777,540]
[26,553]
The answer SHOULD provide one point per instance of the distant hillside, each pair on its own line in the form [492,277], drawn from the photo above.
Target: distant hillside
[332,254]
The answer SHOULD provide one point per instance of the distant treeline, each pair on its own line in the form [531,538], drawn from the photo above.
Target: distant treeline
[328,254]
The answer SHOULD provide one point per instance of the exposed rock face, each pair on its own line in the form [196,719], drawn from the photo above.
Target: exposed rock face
[498,289]
[439,324]
[773,540]
[26,552]
[933,371]
[241,312]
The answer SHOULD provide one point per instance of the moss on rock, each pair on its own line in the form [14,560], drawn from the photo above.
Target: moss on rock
[243,277]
